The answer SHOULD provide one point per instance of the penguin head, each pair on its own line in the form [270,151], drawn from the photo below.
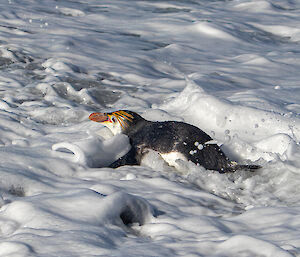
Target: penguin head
[118,121]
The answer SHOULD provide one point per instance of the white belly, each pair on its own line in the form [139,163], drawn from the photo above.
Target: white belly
[159,161]
[172,157]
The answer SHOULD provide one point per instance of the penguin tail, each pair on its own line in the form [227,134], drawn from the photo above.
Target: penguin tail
[249,167]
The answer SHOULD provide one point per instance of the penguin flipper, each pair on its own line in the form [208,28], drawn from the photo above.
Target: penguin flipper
[127,159]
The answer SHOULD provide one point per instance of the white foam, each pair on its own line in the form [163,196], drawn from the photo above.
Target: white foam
[229,67]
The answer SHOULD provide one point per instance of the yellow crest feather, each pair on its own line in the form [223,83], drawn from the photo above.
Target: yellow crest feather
[122,116]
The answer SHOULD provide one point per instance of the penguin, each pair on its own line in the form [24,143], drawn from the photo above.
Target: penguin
[171,139]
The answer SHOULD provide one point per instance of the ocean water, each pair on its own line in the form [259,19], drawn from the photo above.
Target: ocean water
[230,68]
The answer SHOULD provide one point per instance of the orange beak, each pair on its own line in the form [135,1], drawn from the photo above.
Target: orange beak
[99,117]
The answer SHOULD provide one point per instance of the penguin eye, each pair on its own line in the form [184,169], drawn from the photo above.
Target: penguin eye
[113,119]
